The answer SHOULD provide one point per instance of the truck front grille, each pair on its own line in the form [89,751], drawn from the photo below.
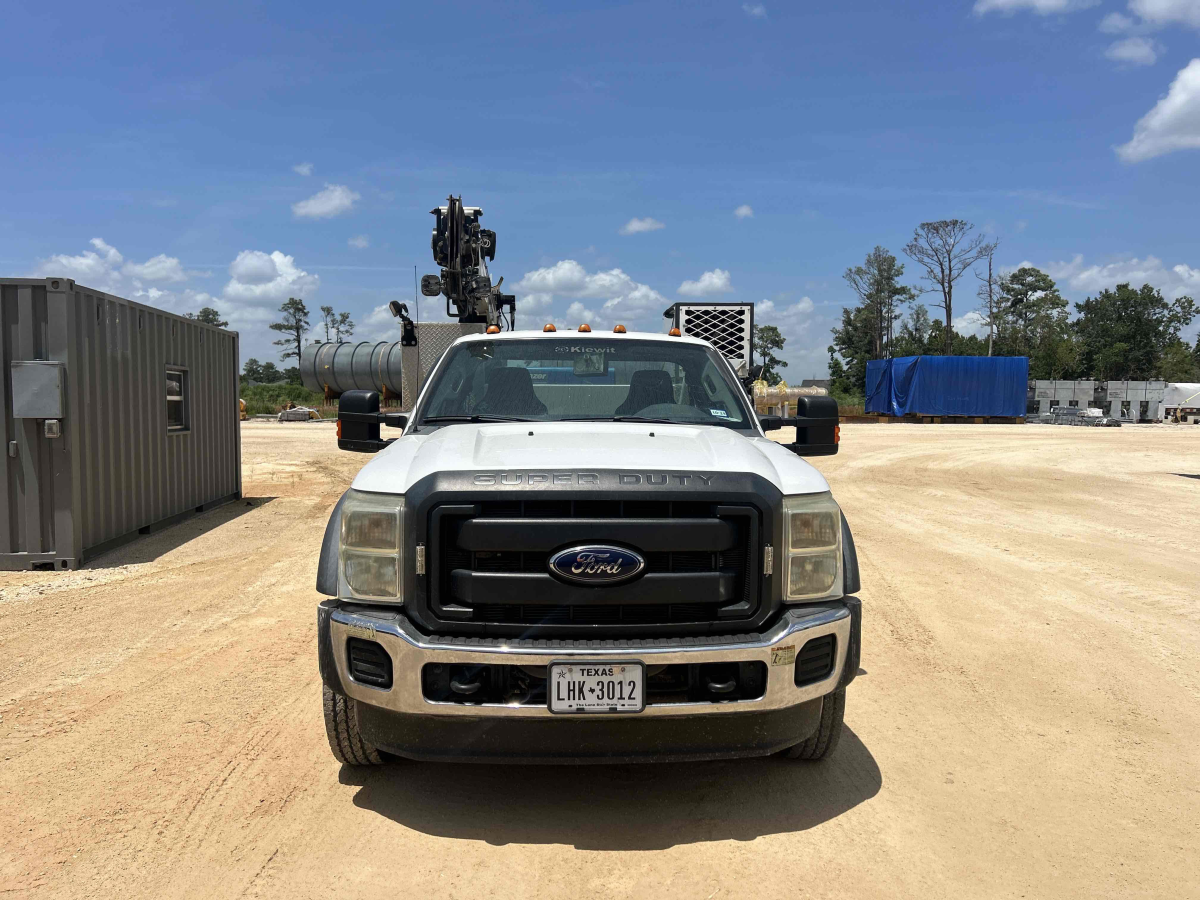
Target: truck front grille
[488,563]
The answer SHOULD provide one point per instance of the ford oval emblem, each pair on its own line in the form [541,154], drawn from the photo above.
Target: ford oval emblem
[596,564]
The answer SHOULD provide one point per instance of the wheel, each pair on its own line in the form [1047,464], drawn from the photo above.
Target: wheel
[341,727]
[825,739]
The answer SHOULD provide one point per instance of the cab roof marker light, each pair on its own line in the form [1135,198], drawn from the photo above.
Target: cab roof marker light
[620,329]
[674,332]
[493,329]
[585,327]
[549,327]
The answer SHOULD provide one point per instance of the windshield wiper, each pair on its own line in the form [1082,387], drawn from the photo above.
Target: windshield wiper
[475,418]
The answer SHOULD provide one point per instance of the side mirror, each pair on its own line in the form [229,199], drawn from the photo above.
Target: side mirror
[358,422]
[817,430]
[816,424]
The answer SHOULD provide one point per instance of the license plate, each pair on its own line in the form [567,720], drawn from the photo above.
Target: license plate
[597,687]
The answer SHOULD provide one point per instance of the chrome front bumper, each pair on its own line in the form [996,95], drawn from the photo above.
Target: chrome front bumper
[411,651]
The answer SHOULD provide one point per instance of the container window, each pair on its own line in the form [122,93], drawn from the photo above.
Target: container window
[177,407]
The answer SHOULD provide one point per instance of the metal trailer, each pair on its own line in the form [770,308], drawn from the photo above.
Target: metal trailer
[118,419]
[395,371]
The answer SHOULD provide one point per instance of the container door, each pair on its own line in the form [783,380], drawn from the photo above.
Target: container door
[35,503]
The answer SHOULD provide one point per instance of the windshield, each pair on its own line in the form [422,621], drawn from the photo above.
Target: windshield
[561,380]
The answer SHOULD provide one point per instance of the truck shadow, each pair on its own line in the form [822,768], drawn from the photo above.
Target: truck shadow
[620,807]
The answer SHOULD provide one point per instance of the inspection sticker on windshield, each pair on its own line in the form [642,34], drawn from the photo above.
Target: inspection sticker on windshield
[718,412]
[783,656]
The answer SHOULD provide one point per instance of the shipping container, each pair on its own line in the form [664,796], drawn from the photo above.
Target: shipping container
[948,385]
[118,419]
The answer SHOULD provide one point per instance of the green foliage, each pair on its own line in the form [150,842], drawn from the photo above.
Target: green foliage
[1180,362]
[915,337]
[265,373]
[853,342]
[877,284]
[766,339]
[1124,333]
[270,398]
[209,316]
[294,325]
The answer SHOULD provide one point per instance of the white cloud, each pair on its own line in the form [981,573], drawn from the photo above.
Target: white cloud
[1133,51]
[531,303]
[577,313]
[754,10]
[304,169]
[1041,7]
[105,269]
[94,268]
[1168,12]
[333,201]
[1173,282]
[261,278]
[744,211]
[359,242]
[767,312]
[971,323]
[625,300]
[638,226]
[716,281]
[1174,122]
[1116,23]
[157,268]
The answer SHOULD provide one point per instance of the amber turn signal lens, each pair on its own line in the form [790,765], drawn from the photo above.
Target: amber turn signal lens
[548,327]
[339,429]
[837,434]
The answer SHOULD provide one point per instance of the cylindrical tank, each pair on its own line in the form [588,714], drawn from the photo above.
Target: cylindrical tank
[352,367]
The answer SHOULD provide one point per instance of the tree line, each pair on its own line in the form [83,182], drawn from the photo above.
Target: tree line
[1122,333]
[294,324]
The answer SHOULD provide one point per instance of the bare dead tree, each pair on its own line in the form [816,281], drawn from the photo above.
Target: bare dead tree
[988,293]
[946,251]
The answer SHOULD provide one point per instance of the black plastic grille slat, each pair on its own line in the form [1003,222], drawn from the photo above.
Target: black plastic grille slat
[731,561]
[369,663]
[815,659]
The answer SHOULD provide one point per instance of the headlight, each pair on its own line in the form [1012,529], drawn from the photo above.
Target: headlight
[812,534]
[369,549]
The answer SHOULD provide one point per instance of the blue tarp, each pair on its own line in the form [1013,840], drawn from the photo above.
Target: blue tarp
[948,385]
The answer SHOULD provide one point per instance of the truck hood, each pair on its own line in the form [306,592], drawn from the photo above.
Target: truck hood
[585,446]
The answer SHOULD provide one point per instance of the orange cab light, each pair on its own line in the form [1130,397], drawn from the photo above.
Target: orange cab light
[620,329]
[549,327]
[585,327]
[493,329]
[674,332]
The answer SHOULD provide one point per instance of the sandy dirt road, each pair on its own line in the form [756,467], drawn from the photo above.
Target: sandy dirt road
[1027,722]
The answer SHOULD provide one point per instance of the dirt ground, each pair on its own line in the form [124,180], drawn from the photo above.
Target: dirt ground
[1027,723]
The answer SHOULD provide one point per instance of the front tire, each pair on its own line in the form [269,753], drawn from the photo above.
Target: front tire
[341,727]
[825,740]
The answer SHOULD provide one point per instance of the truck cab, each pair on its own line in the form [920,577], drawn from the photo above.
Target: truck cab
[584,547]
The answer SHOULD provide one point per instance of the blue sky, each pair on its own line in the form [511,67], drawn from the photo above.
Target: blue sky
[237,154]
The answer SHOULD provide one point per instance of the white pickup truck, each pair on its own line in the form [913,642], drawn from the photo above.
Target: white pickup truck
[584,547]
